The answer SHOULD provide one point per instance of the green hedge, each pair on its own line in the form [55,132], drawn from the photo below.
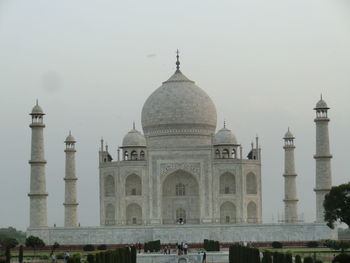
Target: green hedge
[118,255]
[240,254]
[152,246]
[211,245]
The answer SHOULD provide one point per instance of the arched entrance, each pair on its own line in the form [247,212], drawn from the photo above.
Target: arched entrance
[133,214]
[227,213]
[180,202]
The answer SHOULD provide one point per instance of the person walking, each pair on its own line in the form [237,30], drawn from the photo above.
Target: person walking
[204,258]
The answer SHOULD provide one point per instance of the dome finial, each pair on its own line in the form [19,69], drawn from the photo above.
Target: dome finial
[224,123]
[177,60]
[321,96]
[133,125]
[37,102]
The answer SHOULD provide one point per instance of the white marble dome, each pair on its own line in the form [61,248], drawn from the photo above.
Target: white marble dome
[321,104]
[134,138]
[70,139]
[288,135]
[37,110]
[225,137]
[178,107]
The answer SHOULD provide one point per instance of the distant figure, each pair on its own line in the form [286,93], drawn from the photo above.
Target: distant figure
[185,248]
[204,258]
[53,257]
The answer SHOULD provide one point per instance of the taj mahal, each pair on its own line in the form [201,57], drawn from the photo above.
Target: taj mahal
[182,178]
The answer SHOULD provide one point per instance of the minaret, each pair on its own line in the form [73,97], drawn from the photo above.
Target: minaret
[322,157]
[37,194]
[290,188]
[70,201]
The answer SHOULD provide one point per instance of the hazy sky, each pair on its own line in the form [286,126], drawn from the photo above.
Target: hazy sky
[92,65]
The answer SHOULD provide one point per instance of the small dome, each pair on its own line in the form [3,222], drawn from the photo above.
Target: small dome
[225,137]
[70,139]
[321,104]
[37,110]
[134,138]
[288,135]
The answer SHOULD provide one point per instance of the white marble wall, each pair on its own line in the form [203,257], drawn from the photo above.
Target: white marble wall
[189,233]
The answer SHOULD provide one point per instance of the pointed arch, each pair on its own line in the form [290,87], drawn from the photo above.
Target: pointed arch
[251,184]
[110,215]
[180,189]
[133,185]
[225,154]
[227,183]
[134,214]
[109,186]
[227,213]
[252,215]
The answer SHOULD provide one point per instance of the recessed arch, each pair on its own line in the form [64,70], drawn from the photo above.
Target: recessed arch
[251,184]
[109,186]
[133,155]
[227,183]
[133,214]
[225,154]
[133,185]
[252,215]
[110,215]
[180,190]
[227,213]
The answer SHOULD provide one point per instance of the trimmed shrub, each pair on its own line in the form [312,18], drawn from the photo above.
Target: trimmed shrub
[318,261]
[88,247]
[288,258]
[308,260]
[341,258]
[20,254]
[297,259]
[240,254]
[59,256]
[266,257]
[133,254]
[211,245]
[152,246]
[312,244]
[90,258]
[102,247]
[277,244]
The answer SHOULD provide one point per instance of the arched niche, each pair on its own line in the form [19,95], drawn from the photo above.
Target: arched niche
[227,213]
[227,183]
[133,185]
[134,214]
[251,184]
[110,215]
[252,215]
[180,190]
[109,186]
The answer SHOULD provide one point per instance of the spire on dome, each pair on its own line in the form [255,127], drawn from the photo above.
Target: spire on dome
[224,123]
[177,60]
[133,125]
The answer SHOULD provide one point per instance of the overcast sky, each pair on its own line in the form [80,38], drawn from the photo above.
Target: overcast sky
[92,65]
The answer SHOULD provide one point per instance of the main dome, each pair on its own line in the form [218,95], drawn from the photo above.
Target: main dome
[178,107]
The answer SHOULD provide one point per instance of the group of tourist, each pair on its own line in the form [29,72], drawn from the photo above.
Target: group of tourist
[181,248]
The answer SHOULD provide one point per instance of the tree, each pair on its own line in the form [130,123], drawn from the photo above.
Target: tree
[7,243]
[34,242]
[337,245]
[337,205]
[54,247]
